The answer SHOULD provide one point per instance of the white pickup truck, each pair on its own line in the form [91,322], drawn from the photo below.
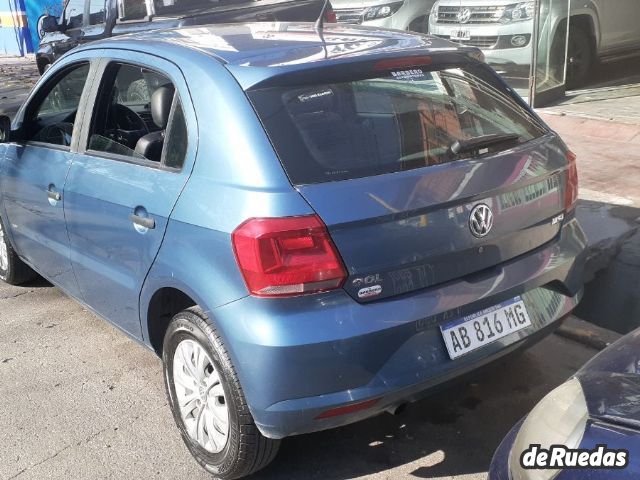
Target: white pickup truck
[503,29]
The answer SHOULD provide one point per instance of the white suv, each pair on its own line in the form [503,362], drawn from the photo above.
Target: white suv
[503,29]
[402,15]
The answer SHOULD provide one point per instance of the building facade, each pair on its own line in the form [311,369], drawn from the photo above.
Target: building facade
[15,36]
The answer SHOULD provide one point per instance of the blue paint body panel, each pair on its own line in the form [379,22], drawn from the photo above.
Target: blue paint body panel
[329,349]
[37,223]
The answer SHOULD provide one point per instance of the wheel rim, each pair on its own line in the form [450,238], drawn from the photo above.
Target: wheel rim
[4,253]
[200,396]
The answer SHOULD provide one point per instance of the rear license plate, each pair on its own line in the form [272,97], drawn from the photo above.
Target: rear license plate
[467,334]
[460,34]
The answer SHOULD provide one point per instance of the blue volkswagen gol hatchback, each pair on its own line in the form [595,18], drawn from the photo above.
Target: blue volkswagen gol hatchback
[309,229]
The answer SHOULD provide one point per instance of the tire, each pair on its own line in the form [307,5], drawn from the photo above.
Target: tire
[245,449]
[580,57]
[12,270]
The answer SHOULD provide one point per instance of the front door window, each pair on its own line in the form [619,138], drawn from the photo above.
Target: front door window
[52,118]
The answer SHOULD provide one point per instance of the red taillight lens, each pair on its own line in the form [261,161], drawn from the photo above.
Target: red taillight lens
[571,190]
[287,256]
[330,16]
[354,407]
[404,62]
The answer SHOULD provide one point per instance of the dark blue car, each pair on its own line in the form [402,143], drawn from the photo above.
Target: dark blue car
[595,414]
[308,228]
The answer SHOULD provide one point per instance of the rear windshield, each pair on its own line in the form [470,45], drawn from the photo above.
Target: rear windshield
[398,121]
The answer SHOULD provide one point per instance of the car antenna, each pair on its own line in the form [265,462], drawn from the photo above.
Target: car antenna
[319,26]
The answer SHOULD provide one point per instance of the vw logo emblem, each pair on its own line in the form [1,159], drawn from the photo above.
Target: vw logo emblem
[463,15]
[481,220]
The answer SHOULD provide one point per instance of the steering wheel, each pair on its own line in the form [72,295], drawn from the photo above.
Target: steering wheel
[57,134]
[127,119]
[127,126]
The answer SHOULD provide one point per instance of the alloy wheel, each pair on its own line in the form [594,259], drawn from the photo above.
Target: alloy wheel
[200,396]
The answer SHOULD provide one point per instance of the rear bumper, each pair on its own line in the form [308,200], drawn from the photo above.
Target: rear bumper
[299,357]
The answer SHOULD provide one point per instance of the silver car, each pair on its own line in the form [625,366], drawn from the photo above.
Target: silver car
[402,15]
[503,29]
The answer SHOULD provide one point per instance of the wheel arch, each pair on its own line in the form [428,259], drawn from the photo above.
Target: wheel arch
[588,24]
[160,304]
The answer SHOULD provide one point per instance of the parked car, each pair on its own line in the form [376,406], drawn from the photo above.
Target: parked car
[598,406]
[503,29]
[404,14]
[84,21]
[309,229]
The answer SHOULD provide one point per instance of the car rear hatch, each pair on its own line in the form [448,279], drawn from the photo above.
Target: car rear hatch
[422,175]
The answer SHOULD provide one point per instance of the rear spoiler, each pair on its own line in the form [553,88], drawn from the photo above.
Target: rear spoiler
[344,68]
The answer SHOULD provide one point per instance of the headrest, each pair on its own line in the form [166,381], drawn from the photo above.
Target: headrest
[161,105]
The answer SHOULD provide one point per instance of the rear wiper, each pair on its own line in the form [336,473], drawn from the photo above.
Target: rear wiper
[482,142]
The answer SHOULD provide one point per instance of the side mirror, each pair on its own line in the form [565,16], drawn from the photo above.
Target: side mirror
[5,129]
[50,24]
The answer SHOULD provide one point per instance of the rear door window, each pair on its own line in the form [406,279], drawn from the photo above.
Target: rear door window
[396,121]
[125,125]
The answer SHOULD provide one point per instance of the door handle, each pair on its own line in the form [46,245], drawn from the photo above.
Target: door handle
[53,195]
[144,222]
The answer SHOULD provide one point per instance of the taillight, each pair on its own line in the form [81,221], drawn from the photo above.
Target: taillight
[330,15]
[571,188]
[287,256]
[346,410]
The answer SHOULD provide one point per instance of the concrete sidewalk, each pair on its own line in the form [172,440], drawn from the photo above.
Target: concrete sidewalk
[609,171]
[608,156]
[609,210]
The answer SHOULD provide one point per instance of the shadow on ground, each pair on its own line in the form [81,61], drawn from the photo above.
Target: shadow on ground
[616,73]
[612,297]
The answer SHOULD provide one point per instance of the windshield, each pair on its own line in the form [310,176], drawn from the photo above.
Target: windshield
[399,121]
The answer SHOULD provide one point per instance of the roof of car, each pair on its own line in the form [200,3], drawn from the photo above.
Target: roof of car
[284,45]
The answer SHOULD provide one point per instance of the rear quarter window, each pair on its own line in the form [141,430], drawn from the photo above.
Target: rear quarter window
[396,121]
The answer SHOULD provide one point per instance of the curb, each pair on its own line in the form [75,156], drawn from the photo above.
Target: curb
[587,333]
